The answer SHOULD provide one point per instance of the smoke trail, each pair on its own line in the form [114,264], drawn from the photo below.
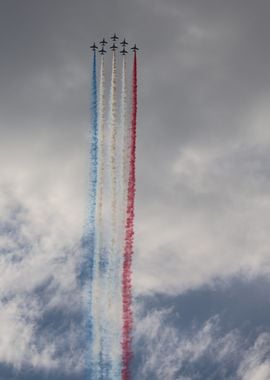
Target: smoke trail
[113,153]
[115,253]
[93,150]
[129,236]
[101,242]
[124,154]
[110,230]
[122,191]
[101,157]
[90,233]
[117,243]
[97,295]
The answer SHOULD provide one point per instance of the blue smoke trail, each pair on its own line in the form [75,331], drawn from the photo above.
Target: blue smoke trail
[98,291]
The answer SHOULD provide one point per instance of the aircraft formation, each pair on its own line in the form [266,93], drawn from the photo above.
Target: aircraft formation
[113,47]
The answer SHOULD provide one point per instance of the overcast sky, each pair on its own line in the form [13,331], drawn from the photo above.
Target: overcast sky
[202,261]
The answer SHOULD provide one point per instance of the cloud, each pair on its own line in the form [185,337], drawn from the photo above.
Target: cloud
[216,219]
[256,364]
[203,351]
[203,140]
[202,208]
[41,302]
[18,316]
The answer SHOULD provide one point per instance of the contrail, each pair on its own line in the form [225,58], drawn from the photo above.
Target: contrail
[129,236]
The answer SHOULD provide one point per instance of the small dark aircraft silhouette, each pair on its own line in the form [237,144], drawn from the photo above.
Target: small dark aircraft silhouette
[114,37]
[102,51]
[124,42]
[103,42]
[93,47]
[113,47]
[134,48]
[123,52]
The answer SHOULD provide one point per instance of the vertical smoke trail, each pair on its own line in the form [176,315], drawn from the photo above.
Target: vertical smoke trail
[93,151]
[92,210]
[101,156]
[97,296]
[118,213]
[113,153]
[115,254]
[124,154]
[122,189]
[129,236]
[100,239]
[110,228]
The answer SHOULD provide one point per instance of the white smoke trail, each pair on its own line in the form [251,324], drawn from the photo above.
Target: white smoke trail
[113,155]
[89,238]
[115,253]
[120,176]
[100,218]
[101,157]
[97,285]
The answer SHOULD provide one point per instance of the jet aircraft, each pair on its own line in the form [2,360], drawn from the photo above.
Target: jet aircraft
[134,48]
[123,52]
[103,42]
[113,47]
[124,42]
[102,51]
[93,47]
[114,37]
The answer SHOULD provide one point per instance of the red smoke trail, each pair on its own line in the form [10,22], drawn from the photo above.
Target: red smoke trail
[129,237]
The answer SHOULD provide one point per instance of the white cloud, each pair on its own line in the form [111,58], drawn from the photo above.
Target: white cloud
[256,364]
[208,214]
[17,331]
[38,264]
[214,218]
[166,349]
[209,217]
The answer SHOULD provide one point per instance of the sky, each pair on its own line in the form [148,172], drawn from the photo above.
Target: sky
[201,264]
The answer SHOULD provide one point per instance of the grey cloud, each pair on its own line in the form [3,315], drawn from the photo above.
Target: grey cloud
[203,141]
[203,74]
[41,301]
[213,332]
